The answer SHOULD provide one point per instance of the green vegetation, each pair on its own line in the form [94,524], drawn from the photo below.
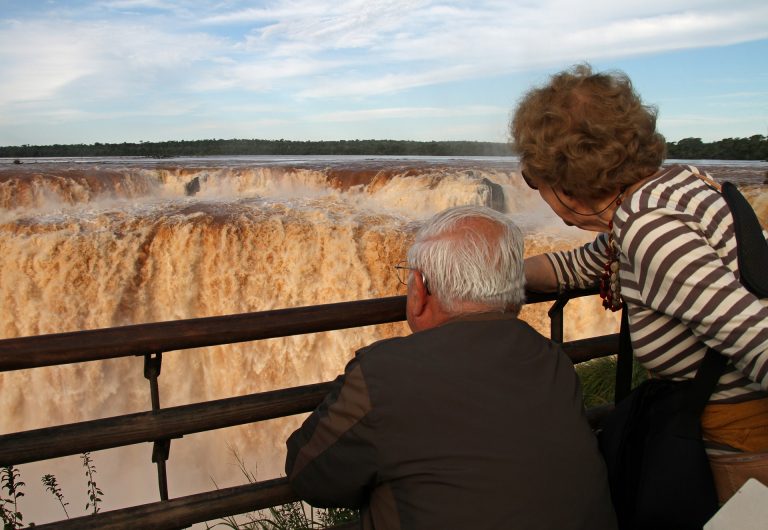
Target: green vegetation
[10,493]
[94,493]
[9,499]
[752,148]
[291,516]
[51,485]
[262,147]
[598,379]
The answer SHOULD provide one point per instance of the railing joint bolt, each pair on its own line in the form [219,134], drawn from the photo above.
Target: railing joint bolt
[152,364]
[160,450]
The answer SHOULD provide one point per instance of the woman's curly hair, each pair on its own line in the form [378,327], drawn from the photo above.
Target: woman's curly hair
[587,133]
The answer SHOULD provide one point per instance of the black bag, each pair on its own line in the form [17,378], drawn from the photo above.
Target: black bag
[658,469]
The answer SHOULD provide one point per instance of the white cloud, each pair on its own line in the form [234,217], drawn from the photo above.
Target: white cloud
[141,57]
[38,63]
[353,48]
[112,60]
[415,43]
[137,4]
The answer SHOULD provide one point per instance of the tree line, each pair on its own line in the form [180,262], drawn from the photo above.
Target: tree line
[752,148]
[263,147]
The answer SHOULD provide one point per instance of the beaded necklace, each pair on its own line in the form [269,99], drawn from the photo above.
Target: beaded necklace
[610,290]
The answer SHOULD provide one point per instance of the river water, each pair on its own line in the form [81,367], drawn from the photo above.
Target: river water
[90,243]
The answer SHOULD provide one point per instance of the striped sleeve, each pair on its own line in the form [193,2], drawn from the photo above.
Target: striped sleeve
[678,273]
[581,267]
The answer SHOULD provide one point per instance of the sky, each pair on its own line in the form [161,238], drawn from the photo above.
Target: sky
[111,71]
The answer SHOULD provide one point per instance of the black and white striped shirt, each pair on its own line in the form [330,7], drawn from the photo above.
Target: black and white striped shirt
[679,276]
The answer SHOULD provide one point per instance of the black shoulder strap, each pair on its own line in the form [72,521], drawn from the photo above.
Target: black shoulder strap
[623,359]
[752,247]
[709,372]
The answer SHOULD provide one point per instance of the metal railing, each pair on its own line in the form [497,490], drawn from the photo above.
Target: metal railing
[161,425]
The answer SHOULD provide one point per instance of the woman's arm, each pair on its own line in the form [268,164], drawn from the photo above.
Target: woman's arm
[540,275]
[578,268]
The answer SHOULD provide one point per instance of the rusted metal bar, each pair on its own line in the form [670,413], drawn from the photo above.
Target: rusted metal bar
[173,422]
[555,315]
[152,365]
[185,511]
[141,339]
[532,297]
[52,442]
[159,426]
[161,448]
[586,349]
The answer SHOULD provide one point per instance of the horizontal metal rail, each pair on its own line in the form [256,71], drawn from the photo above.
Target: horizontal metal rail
[583,350]
[172,422]
[184,511]
[142,339]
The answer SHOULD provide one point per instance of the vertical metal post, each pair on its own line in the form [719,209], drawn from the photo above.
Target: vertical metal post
[160,448]
[555,314]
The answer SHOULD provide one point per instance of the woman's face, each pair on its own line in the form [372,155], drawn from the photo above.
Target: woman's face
[564,207]
[572,211]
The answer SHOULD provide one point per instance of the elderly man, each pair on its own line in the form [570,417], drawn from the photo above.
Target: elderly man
[473,421]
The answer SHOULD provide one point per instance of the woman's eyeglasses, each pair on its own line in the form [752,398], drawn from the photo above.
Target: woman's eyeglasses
[529,181]
[569,208]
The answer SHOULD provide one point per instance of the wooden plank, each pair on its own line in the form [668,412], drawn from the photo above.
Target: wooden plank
[185,511]
[586,349]
[141,339]
[75,438]
[52,442]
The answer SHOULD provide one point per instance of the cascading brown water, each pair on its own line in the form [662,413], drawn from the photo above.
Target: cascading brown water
[93,244]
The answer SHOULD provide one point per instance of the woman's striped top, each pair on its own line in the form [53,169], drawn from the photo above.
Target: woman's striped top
[679,276]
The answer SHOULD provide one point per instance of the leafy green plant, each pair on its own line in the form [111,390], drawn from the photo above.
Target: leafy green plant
[11,484]
[10,493]
[291,516]
[598,379]
[94,493]
[51,485]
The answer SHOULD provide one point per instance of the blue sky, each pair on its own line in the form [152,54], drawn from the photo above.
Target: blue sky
[80,71]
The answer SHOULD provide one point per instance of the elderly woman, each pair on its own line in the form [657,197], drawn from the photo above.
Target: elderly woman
[666,248]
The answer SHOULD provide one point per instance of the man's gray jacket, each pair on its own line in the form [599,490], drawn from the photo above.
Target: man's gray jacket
[475,424]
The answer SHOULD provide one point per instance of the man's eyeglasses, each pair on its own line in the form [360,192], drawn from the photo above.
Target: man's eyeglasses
[402,269]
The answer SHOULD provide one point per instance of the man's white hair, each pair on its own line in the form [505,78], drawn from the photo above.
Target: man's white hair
[471,254]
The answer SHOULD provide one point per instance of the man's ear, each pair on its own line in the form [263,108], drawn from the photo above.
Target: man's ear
[417,296]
